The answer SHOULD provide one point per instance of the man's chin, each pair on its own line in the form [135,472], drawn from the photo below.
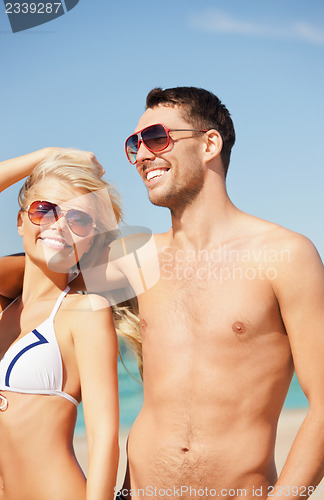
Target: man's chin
[159,201]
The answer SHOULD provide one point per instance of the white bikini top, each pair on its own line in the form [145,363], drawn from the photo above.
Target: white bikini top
[33,364]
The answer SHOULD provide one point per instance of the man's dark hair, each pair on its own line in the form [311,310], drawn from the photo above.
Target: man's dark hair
[202,109]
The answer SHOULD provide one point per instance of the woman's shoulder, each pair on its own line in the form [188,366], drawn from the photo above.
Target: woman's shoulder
[78,309]
[86,313]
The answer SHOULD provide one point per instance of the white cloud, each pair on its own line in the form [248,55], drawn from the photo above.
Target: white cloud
[309,33]
[216,21]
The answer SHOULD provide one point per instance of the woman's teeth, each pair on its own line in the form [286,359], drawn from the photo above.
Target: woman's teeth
[53,243]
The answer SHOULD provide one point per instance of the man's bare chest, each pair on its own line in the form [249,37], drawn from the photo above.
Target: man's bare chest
[209,308]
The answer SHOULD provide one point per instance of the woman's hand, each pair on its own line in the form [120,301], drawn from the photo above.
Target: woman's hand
[99,170]
[88,156]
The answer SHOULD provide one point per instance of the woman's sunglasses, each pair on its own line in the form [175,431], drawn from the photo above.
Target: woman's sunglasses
[155,138]
[43,213]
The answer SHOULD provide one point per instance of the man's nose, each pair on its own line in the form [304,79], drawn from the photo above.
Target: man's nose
[143,153]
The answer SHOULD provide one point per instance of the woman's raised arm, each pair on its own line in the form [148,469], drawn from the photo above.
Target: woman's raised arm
[14,170]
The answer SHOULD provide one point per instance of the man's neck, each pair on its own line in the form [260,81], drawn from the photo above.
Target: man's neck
[206,220]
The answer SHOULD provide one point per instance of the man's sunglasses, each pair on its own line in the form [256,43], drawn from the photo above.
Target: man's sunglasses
[155,138]
[43,213]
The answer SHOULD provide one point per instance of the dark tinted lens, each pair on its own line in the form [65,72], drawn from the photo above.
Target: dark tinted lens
[42,212]
[155,138]
[131,148]
[79,222]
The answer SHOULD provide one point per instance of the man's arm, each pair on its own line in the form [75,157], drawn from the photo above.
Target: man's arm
[127,268]
[11,275]
[300,292]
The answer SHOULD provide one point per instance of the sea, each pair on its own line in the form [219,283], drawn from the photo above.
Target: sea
[131,396]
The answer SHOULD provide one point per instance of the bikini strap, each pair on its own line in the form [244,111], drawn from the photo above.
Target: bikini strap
[1,313]
[58,303]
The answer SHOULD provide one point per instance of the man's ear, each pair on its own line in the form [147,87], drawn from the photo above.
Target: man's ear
[20,223]
[214,144]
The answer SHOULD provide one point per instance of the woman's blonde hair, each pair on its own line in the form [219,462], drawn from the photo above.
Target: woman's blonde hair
[127,324]
[79,171]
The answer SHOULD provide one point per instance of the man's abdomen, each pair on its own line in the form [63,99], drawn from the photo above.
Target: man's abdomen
[174,459]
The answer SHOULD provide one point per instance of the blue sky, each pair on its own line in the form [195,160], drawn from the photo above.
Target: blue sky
[81,80]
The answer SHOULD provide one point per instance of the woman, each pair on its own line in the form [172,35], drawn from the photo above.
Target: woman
[57,346]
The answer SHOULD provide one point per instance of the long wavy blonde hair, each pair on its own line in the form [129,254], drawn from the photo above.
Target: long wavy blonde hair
[76,169]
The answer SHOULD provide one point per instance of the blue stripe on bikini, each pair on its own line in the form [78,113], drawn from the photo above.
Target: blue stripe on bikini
[41,340]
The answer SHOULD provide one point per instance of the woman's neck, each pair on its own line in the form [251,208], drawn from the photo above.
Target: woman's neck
[41,283]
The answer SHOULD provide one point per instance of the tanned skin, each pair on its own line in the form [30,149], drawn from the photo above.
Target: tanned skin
[237,308]
[37,459]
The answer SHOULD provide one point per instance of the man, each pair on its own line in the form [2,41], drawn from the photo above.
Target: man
[238,306]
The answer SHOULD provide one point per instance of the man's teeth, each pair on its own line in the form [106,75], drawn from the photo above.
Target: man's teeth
[155,173]
[52,243]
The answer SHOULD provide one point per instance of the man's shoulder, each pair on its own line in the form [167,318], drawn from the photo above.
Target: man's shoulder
[274,234]
[287,244]
[129,244]
[84,303]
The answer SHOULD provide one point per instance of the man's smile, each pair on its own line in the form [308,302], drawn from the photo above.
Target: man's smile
[155,173]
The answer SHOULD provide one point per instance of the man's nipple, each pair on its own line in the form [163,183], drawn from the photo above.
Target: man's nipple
[239,327]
